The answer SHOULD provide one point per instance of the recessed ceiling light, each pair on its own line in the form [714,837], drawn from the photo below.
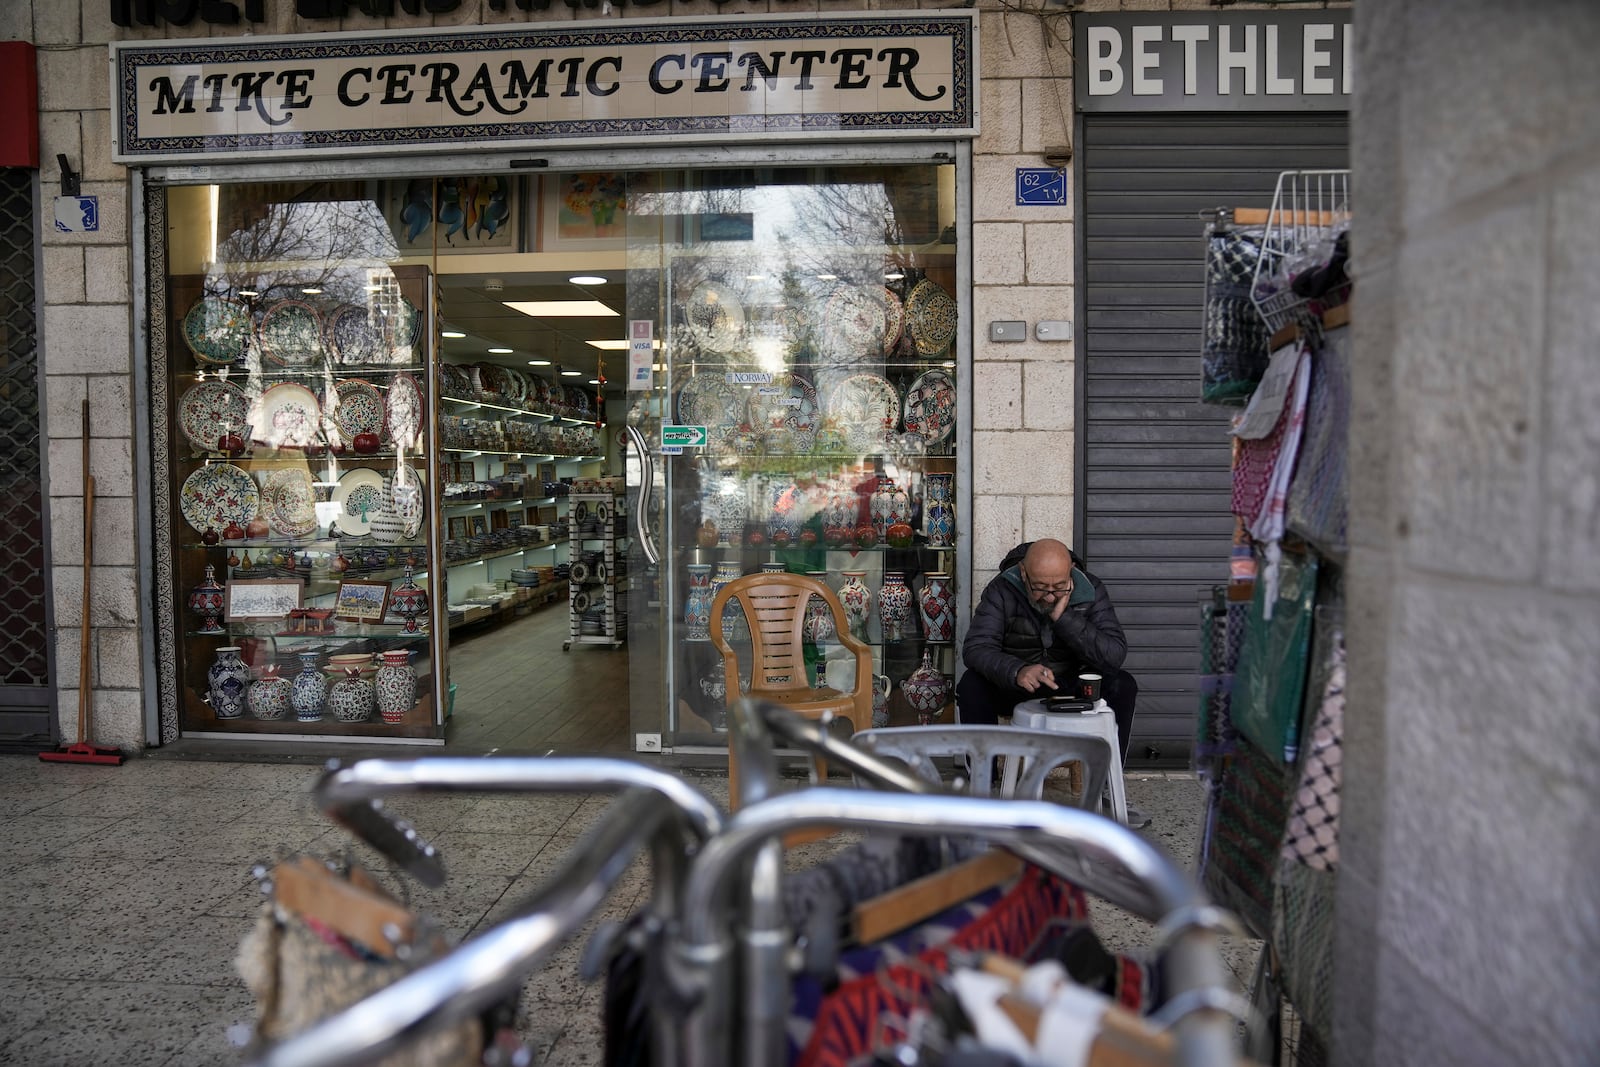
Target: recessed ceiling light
[451,333]
[560,309]
[594,381]
[586,279]
[311,290]
[827,277]
[893,276]
[617,344]
[501,351]
[572,374]
[248,292]
[538,362]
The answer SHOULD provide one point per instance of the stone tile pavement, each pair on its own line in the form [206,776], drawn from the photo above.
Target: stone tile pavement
[124,892]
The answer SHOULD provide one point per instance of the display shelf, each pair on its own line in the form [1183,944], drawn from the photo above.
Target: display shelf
[613,626]
[284,374]
[580,456]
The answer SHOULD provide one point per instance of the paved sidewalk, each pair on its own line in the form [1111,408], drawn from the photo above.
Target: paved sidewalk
[124,892]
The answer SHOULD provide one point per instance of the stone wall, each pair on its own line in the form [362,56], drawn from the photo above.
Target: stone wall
[1469,921]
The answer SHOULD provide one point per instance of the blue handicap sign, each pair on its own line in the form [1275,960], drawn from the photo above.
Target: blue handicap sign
[1041,187]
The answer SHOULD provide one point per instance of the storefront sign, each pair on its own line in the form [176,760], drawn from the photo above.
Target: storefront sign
[683,436]
[1245,61]
[1041,187]
[867,75]
[229,12]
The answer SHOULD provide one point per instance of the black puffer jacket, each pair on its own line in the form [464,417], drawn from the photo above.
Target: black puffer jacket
[1007,633]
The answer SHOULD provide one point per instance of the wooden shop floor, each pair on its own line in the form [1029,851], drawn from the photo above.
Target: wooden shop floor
[517,692]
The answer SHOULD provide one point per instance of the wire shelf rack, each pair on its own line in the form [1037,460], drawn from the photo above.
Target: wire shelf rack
[1309,208]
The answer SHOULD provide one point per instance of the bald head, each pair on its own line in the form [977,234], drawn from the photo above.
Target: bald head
[1048,560]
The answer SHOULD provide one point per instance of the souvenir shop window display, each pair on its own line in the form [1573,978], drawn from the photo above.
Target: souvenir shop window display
[289,425]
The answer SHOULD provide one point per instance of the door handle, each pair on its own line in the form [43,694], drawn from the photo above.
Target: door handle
[641,508]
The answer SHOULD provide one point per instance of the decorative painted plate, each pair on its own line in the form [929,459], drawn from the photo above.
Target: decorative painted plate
[359,495]
[287,416]
[405,498]
[289,503]
[405,330]
[865,408]
[494,381]
[785,414]
[354,337]
[856,322]
[707,399]
[210,409]
[404,409]
[894,320]
[290,334]
[930,317]
[931,406]
[714,317]
[218,495]
[359,409]
[217,330]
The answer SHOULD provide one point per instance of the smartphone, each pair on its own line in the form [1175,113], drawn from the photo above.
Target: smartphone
[1068,704]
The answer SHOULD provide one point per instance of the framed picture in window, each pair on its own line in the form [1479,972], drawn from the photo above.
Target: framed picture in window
[259,599]
[361,601]
[458,528]
[469,213]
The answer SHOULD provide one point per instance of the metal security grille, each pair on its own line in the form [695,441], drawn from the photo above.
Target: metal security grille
[26,690]
[1156,524]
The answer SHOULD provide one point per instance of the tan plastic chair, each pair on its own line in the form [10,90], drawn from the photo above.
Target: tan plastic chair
[775,608]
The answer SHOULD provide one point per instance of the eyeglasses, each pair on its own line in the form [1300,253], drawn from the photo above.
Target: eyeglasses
[1040,590]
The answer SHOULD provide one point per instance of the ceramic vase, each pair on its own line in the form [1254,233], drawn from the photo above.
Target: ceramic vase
[856,600]
[206,600]
[310,690]
[894,605]
[787,513]
[881,688]
[697,605]
[396,685]
[409,601]
[351,698]
[387,525]
[927,690]
[819,616]
[890,507]
[939,510]
[270,695]
[226,680]
[774,568]
[937,601]
[733,624]
[732,512]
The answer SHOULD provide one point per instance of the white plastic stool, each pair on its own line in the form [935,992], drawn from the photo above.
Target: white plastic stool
[1100,722]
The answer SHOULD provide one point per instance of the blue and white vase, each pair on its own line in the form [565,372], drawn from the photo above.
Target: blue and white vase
[939,510]
[226,681]
[310,690]
[697,605]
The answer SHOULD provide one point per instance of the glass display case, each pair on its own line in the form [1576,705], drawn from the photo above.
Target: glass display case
[808,363]
[298,446]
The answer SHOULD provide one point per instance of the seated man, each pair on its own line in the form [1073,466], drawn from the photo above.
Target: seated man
[1041,622]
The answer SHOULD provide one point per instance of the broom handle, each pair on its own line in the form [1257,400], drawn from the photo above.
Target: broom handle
[88,560]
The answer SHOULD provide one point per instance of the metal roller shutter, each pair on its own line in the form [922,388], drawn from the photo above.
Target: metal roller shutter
[1154,462]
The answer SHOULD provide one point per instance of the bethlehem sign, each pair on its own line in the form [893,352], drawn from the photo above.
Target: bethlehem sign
[576,84]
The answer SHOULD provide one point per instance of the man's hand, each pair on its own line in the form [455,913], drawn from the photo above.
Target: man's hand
[1035,675]
[1061,604]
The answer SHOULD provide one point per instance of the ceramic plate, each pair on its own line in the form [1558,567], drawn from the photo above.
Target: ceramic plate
[290,334]
[405,330]
[865,408]
[931,406]
[894,320]
[354,337]
[360,408]
[785,413]
[218,495]
[289,503]
[288,416]
[714,317]
[404,410]
[217,330]
[359,495]
[856,322]
[930,317]
[707,399]
[209,410]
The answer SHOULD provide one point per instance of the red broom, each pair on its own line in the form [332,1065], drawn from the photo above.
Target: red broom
[82,751]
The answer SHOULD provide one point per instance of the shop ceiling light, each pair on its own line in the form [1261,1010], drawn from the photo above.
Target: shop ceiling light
[538,363]
[586,279]
[827,277]
[311,290]
[594,381]
[572,374]
[248,292]
[500,351]
[560,309]
[457,334]
[893,276]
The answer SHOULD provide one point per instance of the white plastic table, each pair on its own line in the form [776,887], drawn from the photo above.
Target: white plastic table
[1100,722]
